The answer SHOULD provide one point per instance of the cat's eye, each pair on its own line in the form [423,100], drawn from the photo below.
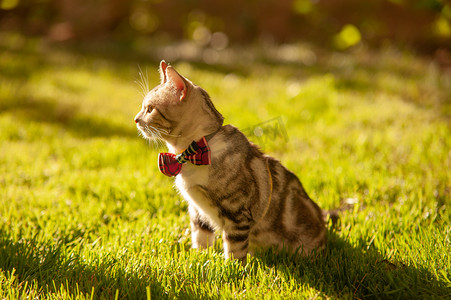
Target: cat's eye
[149,109]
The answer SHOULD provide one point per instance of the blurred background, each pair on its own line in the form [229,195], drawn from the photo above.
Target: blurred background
[422,25]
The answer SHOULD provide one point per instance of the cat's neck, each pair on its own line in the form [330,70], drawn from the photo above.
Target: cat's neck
[178,144]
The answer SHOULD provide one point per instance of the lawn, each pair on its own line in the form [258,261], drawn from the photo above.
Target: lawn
[85,213]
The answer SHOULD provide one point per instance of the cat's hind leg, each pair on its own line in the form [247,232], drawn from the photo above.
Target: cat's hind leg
[236,241]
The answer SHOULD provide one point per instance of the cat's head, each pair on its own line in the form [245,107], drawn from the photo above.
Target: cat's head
[177,111]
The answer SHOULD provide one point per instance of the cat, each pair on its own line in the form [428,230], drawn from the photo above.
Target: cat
[228,183]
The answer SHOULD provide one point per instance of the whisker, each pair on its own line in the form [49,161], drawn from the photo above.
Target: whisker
[155,134]
[166,132]
[157,138]
[154,130]
[143,81]
[141,89]
[147,81]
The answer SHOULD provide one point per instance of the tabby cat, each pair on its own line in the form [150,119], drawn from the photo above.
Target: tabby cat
[228,183]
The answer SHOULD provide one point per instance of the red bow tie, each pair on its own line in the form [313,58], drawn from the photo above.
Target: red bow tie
[198,153]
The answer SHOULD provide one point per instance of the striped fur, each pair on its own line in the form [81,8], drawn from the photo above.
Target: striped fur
[250,197]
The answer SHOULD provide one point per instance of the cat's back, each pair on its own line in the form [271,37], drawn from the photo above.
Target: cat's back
[231,140]
[284,213]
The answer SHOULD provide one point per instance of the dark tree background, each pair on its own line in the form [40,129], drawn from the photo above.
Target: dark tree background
[422,24]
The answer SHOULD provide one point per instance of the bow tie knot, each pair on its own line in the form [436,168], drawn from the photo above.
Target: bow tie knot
[198,153]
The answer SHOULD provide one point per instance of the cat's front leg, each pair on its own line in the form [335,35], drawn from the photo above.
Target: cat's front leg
[236,241]
[202,234]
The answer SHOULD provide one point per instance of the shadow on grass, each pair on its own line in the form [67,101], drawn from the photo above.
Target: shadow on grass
[49,270]
[341,271]
[66,116]
[27,59]
[345,271]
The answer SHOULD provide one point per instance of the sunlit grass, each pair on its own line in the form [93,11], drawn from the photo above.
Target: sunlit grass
[85,212]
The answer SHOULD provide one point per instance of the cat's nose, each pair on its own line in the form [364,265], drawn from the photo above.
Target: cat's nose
[137,118]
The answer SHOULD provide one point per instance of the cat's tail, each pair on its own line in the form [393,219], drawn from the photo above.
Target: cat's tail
[331,215]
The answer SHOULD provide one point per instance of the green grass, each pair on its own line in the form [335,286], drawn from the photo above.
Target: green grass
[85,213]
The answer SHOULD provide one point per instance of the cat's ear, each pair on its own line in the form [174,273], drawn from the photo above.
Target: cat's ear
[177,81]
[163,66]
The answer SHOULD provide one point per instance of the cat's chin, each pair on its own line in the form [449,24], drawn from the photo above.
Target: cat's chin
[153,139]
[147,136]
